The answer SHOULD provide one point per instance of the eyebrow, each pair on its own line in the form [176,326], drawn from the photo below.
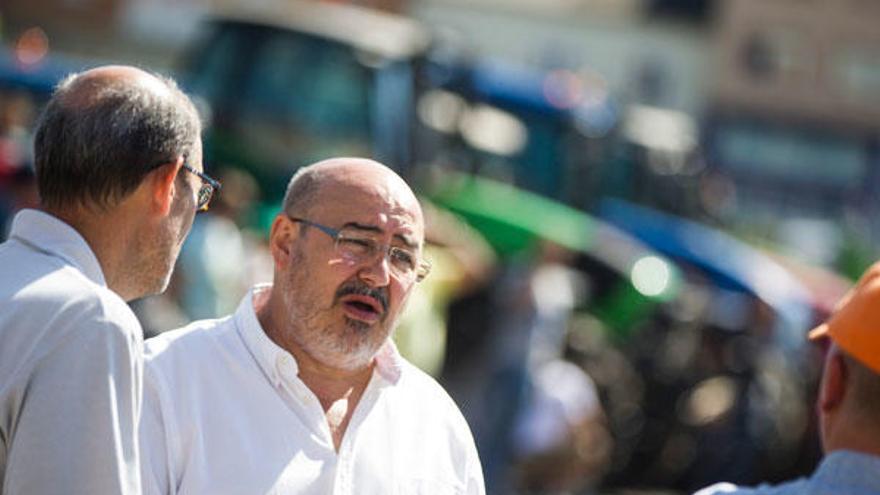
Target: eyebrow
[372,228]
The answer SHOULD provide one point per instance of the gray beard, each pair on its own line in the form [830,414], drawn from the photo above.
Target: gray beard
[352,348]
[343,355]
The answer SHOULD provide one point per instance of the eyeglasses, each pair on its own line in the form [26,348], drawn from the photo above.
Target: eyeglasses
[360,247]
[206,191]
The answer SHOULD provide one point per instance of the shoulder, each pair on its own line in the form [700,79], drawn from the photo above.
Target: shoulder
[191,338]
[100,309]
[416,383]
[187,346]
[57,296]
[425,413]
[51,313]
[33,276]
[431,402]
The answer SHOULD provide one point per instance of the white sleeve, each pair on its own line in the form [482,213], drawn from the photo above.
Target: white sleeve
[154,441]
[77,428]
[475,483]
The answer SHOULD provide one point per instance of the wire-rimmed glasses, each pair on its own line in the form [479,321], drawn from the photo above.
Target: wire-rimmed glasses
[359,247]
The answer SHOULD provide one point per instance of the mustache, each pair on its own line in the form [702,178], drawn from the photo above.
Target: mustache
[359,288]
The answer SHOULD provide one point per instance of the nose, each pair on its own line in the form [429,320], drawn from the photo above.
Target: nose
[377,272]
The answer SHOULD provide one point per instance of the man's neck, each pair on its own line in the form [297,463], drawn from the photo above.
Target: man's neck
[338,390]
[864,444]
[107,239]
[329,383]
[852,432]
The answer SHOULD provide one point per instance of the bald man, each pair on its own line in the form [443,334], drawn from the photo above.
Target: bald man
[118,160]
[301,390]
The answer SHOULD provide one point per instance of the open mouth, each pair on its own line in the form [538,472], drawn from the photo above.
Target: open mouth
[363,308]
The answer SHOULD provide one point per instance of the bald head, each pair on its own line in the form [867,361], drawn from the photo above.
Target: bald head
[89,87]
[104,129]
[314,184]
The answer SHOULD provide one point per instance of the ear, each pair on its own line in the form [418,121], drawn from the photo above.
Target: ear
[281,239]
[834,381]
[163,190]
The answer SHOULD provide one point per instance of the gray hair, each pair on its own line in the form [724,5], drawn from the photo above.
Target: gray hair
[97,150]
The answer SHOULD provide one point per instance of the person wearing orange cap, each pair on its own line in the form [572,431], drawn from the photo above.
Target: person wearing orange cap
[848,404]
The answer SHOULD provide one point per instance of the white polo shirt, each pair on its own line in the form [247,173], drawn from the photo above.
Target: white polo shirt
[70,367]
[226,413]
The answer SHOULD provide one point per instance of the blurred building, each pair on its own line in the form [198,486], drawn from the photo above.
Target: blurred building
[816,61]
[794,123]
[95,16]
[146,32]
[656,59]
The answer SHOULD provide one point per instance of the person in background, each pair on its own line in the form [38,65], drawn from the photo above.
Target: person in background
[301,390]
[561,443]
[848,404]
[118,167]
[18,188]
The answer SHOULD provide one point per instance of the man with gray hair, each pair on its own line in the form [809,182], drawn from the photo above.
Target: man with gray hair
[301,390]
[118,163]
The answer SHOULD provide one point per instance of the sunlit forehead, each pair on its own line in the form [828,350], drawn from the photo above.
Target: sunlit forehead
[366,195]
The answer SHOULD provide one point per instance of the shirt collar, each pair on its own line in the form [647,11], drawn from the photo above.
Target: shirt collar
[276,362]
[389,364]
[851,468]
[265,352]
[52,236]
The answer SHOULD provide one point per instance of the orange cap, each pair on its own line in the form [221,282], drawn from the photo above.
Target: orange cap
[855,323]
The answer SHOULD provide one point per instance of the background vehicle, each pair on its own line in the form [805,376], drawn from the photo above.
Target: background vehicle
[678,372]
[312,81]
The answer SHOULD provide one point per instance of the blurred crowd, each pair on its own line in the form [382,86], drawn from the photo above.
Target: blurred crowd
[693,390]
[17,187]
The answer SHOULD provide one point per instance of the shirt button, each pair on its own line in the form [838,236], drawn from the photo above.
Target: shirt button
[285,365]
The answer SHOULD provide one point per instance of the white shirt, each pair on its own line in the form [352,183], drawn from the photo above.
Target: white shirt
[70,367]
[226,413]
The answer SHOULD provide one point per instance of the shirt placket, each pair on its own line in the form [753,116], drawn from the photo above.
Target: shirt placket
[301,400]
[344,482]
